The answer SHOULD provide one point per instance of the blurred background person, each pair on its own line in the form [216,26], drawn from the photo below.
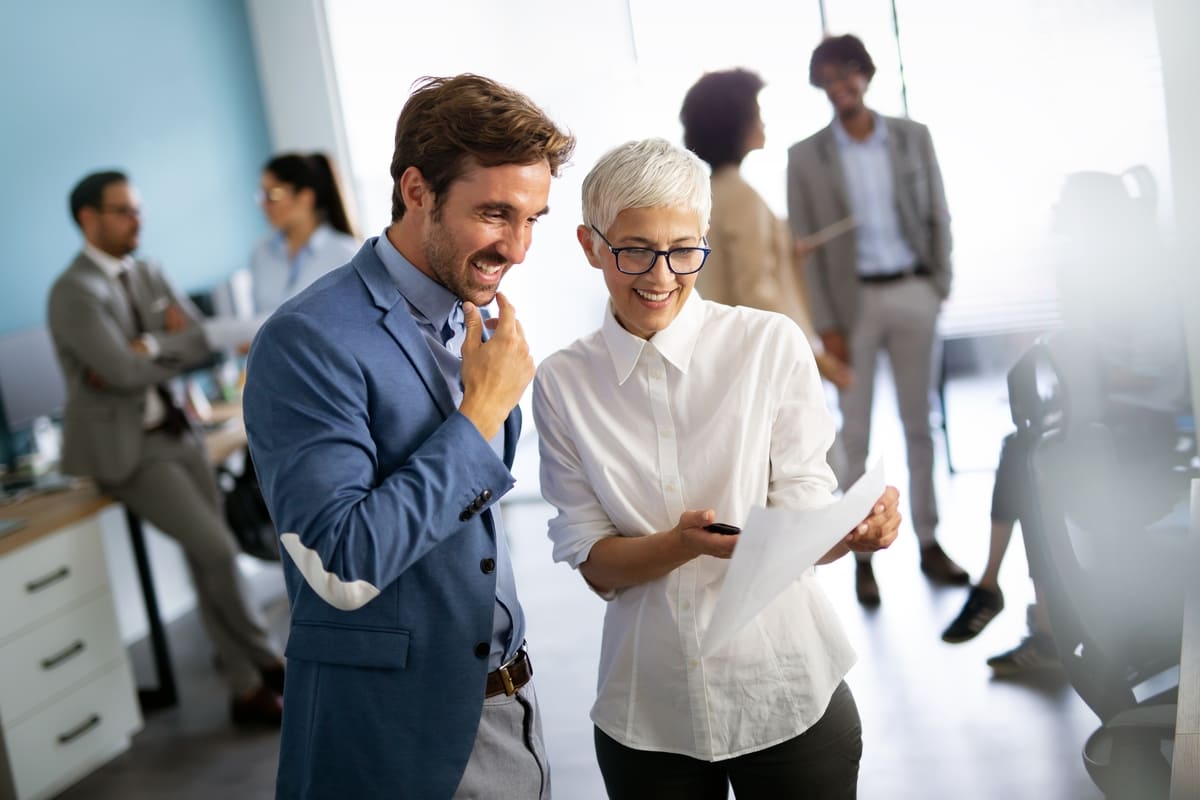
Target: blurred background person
[752,261]
[302,199]
[122,334]
[1117,300]
[880,288]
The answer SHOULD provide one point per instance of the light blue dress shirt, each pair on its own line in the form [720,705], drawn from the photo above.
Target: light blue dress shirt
[278,277]
[439,316]
[871,191]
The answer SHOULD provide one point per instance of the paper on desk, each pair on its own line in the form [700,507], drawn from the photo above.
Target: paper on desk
[775,547]
[831,231]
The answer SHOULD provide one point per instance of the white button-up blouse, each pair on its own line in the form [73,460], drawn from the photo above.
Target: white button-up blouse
[723,409]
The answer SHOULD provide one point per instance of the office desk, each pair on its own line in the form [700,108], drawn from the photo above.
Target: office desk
[67,700]
[50,512]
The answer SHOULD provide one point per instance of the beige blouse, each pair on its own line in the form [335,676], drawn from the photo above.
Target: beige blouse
[752,262]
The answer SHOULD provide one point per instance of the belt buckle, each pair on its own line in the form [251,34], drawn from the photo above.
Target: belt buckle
[506,679]
[509,688]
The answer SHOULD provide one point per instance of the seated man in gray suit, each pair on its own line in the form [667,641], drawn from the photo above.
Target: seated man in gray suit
[882,287]
[121,333]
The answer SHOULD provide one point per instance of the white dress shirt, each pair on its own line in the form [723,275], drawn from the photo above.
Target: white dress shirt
[723,409]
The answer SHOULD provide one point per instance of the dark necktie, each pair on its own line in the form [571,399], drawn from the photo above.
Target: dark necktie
[174,420]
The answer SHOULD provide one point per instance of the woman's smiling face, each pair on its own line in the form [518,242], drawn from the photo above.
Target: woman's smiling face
[645,304]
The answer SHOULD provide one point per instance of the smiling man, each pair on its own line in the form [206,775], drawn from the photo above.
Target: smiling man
[880,288]
[382,422]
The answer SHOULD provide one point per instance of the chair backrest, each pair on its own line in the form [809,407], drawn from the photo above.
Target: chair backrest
[1104,536]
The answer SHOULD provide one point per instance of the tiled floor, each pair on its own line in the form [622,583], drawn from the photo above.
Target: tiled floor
[936,725]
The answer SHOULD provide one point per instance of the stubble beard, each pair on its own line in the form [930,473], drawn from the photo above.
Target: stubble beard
[453,270]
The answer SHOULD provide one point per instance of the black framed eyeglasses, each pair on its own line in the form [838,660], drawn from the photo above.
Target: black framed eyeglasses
[640,260]
[131,212]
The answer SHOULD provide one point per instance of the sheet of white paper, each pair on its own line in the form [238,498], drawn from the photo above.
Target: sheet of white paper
[831,231]
[775,547]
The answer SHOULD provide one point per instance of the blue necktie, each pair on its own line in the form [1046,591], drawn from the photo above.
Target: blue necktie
[454,330]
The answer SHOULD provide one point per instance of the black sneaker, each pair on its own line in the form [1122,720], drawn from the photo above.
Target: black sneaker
[1035,653]
[982,604]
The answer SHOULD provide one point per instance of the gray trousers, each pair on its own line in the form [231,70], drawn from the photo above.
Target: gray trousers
[174,489]
[900,319]
[509,757]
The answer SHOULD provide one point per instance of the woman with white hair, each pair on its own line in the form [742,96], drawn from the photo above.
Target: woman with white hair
[676,414]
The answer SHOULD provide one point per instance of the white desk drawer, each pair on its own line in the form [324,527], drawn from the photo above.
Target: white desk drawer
[63,742]
[39,579]
[56,655]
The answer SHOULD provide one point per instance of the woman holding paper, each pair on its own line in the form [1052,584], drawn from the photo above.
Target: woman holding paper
[676,414]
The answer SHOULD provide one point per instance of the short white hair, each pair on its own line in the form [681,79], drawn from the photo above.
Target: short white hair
[646,173]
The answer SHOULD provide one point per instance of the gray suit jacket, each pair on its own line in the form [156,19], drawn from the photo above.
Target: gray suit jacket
[817,197]
[92,325]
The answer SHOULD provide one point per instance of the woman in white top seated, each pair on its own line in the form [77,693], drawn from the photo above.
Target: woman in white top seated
[302,200]
[678,413]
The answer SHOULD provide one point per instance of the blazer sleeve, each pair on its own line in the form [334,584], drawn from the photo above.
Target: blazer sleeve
[186,348]
[83,322]
[802,222]
[350,528]
[939,222]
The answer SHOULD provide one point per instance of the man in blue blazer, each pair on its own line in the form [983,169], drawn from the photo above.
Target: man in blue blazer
[382,421]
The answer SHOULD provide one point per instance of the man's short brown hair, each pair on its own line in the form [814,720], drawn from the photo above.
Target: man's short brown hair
[448,121]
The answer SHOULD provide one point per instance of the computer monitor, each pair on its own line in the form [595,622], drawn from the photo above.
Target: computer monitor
[31,384]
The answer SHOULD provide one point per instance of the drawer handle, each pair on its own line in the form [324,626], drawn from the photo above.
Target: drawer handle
[47,580]
[79,730]
[50,662]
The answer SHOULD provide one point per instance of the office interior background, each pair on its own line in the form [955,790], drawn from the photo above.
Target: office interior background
[192,97]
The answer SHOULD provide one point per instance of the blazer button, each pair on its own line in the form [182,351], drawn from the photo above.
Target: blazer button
[482,649]
[488,565]
[465,515]
[485,495]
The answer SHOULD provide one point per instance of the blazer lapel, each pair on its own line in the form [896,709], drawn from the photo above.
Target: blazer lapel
[827,148]
[399,323]
[122,304]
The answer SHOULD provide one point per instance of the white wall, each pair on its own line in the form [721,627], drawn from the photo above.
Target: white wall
[295,70]
[1177,23]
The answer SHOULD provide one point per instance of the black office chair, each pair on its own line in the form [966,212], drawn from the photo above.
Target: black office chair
[1107,550]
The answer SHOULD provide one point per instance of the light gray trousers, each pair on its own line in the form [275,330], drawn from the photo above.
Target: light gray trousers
[509,757]
[174,489]
[899,319]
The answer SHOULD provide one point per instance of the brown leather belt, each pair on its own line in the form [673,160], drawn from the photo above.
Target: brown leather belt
[511,676]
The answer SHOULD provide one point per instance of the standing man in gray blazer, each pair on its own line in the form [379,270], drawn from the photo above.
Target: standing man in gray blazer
[122,333]
[879,288]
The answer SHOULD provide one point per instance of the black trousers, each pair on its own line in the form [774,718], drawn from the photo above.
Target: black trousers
[821,763]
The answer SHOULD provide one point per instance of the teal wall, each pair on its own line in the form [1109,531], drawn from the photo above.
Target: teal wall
[166,90]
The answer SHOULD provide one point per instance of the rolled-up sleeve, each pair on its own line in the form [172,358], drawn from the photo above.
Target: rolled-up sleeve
[802,430]
[581,520]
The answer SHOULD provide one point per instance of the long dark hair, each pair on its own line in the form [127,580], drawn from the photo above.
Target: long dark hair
[314,171]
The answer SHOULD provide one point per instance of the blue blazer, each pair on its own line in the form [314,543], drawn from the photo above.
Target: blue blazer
[382,492]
